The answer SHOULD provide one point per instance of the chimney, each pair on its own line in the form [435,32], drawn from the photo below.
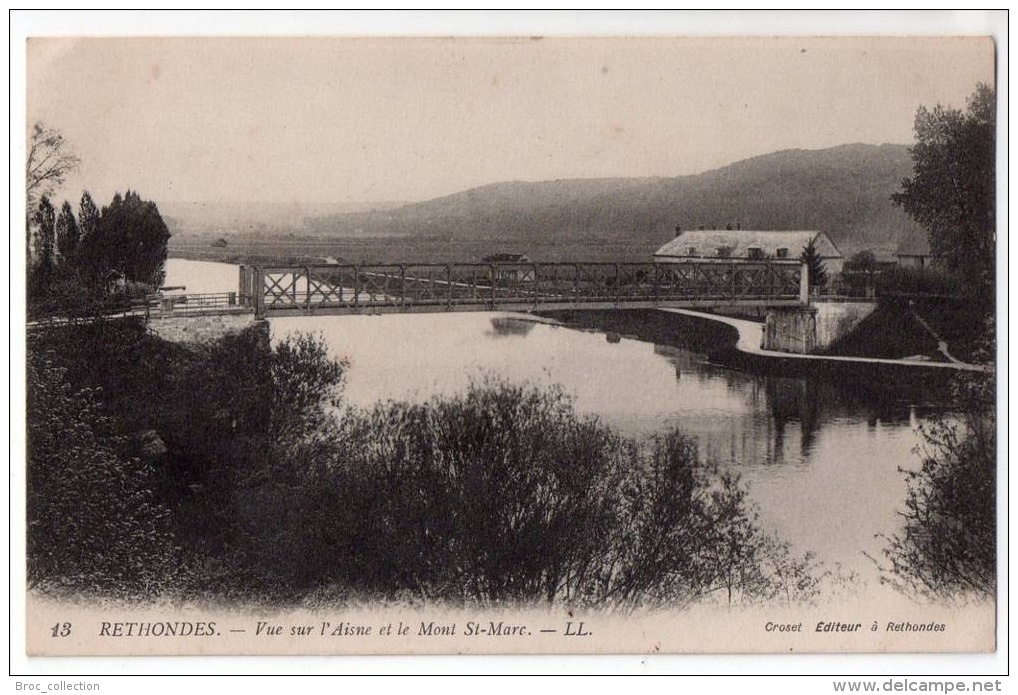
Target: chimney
[678,230]
[738,226]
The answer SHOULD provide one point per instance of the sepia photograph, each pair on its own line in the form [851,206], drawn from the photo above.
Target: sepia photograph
[506,344]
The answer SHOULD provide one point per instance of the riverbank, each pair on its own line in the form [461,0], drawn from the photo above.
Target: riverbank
[737,343]
[941,329]
[751,338]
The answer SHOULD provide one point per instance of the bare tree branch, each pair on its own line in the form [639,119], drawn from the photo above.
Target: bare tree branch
[50,160]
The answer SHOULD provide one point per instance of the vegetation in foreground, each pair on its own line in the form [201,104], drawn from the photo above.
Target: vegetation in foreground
[947,547]
[226,472]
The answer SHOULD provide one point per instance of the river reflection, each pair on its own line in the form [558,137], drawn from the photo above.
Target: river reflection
[510,326]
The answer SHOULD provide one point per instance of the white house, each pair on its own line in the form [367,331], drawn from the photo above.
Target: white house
[722,245]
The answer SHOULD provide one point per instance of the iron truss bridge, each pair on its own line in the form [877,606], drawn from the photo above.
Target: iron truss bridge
[287,290]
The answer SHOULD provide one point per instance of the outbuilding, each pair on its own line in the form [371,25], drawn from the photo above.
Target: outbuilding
[510,266]
[914,252]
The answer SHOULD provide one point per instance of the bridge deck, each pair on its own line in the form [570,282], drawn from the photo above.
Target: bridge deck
[523,307]
[417,288]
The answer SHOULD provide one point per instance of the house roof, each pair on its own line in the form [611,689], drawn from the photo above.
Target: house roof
[506,258]
[706,242]
[915,243]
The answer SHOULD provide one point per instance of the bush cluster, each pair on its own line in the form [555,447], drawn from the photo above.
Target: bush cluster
[918,281]
[94,519]
[503,494]
[947,548]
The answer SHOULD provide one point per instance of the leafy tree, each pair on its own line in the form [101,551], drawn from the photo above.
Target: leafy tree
[815,268]
[952,192]
[67,235]
[861,273]
[129,241]
[74,260]
[862,262]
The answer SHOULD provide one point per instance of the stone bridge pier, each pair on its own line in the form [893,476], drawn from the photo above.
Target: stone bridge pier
[792,329]
[806,329]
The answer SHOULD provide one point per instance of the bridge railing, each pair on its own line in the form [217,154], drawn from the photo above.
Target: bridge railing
[197,303]
[492,285]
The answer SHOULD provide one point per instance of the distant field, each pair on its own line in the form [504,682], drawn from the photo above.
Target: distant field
[406,250]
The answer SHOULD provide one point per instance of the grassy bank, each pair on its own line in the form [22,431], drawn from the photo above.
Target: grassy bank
[896,329]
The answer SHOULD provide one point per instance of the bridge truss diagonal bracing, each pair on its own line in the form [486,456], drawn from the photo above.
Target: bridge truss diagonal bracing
[436,287]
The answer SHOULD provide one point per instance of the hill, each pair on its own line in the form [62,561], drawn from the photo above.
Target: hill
[208,217]
[844,191]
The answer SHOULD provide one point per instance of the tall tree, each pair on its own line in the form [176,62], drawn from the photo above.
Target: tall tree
[952,192]
[815,268]
[49,161]
[41,249]
[88,217]
[67,235]
[44,219]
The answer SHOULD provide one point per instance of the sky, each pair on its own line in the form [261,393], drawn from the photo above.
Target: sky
[329,119]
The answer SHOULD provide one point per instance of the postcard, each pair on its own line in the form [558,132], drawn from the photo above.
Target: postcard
[510,345]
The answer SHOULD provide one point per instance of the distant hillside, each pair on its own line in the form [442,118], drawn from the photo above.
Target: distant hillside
[247,216]
[844,191]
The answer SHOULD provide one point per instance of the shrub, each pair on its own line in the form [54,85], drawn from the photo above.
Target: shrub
[925,281]
[94,524]
[948,546]
[195,417]
[277,548]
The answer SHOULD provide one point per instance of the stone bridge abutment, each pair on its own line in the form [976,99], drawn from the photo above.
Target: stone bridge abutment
[807,329]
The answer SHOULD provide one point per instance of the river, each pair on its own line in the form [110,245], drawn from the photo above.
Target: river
[822,460]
